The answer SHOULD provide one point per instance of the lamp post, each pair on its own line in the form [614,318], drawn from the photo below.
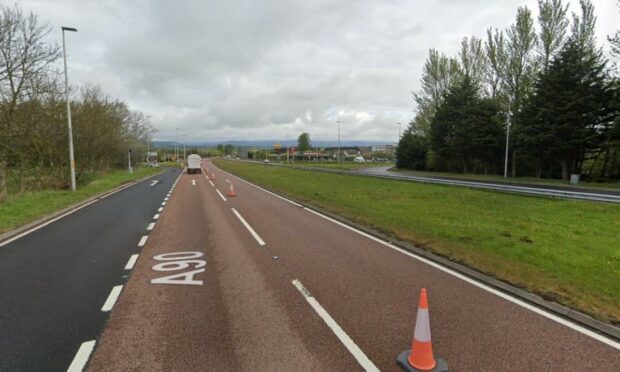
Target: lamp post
[287,150]
[398,143]
[507,142]
[338,121]
[71,157]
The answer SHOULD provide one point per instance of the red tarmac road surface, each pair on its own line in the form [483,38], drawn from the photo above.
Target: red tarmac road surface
[248,315]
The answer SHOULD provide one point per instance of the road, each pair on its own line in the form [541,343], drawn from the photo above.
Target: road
[256,282]
[55,280]
[569,192]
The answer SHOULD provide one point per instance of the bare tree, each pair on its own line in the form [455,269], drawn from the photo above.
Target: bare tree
[25,56]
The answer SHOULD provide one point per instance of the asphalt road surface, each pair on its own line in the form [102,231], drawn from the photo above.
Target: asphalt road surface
[55,280]
[256,282]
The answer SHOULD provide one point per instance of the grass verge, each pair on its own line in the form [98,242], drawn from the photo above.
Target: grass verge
[334,165]
[566,251]
[20,210]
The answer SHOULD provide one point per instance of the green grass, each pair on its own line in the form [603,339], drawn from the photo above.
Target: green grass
[566,251]
[528,180]
[20,210]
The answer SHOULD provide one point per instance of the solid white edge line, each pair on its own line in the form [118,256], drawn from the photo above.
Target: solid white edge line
[220,194]
[248,227]
[574,326]
[10,240]
[150,226]
[156,216]
[142,241]
[494,291]
[112,297]
[132,261]
[82,356]
[357,353]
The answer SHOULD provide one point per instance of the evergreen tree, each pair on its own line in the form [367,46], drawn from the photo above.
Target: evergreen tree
[412,149]
[569,112]
[303,142]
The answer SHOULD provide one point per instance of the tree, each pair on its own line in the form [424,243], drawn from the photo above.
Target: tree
[520,69]
[553,25]
[495,49]
[467,129]
[412,149]
[615,40]
[473,60]
[303,142]
[569,112]
[25,57]
[438,75]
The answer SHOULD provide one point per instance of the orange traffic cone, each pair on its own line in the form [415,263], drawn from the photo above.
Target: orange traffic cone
[231,192]
[420,357]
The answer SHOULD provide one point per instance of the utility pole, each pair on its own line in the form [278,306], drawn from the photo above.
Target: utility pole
[129,161]
[176,147]
[71,156]
[338,121]
[287,151]
[507,142]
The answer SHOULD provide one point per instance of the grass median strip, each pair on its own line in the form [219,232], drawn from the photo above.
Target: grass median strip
[20,210]
[566,251]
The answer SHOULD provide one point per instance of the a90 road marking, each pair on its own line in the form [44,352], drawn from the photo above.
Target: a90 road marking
[179,261]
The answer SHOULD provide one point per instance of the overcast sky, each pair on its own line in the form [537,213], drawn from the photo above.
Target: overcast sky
[222,70]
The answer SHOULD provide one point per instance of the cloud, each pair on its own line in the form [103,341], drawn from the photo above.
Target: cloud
[261,69]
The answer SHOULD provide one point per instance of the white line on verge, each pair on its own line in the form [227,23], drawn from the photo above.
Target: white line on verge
[132,261]
[212,184]
[503,295]
[156,216]
[150,226]
[357,353]
[247,226]
[81,357]
[220,194]
[45,224]
[112,297]
[143,241]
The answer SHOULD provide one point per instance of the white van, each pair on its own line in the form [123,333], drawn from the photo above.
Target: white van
[358,159]
[193,163]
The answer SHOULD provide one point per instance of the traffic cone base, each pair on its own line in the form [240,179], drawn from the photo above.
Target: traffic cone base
[231,191]
[403,362]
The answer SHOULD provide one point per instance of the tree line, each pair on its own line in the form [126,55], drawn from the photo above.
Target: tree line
[33,117]
[550,85]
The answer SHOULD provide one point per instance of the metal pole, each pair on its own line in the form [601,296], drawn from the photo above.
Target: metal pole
[287,151]
[70,130]
[129,161]
[507,142]
[338,121]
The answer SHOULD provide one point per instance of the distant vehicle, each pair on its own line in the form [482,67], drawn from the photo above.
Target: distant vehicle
[358,159]
[193,163]
[266,161]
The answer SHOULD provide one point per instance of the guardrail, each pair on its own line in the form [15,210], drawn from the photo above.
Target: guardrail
[528,190]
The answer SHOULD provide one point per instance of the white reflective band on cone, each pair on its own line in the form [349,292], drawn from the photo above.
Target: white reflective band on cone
[422,326]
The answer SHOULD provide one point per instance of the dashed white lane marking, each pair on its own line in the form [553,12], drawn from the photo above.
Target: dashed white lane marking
[212,184]
[163,203]
[514,300]
[357,353]
[156,216]
[150,226]
[193,182]
[142,241]
[112,297]
[247,226]
[81,357]
[132,261]
[166,198]
[154,182]
[160,209]
[220,194]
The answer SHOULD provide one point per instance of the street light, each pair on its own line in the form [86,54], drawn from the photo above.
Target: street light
[338,121]
[507,139]
[398,144]
[71,157]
